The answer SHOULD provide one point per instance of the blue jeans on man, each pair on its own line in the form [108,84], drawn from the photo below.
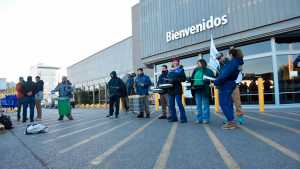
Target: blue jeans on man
[28,101]
[226,103]
[202,103]
[172,99]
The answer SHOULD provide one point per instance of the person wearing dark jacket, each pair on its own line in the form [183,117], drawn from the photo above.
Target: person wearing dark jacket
[226,84]
[39,96]
[142,85]
[163,79]
[176,76]
[116,89]
[29,89]
[65,91]
[20,96]
[130,84]
[201,90]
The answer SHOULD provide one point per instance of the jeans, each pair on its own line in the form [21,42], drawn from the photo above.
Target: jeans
[226,103]
[20,103]
[164,104]
[172,108]
[114,101]
[28,100]
[202,102]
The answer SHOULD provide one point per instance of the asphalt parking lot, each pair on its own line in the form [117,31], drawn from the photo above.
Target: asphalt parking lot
[268,140]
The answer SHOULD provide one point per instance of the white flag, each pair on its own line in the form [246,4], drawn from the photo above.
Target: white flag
[213,62]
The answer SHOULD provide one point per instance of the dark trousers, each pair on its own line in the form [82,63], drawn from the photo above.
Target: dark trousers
[114,101]
[226,103]
[172,108]
[28,101]
[19,106]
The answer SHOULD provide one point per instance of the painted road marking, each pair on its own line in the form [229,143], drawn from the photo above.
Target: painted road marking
[71,126]
[162,160]
[277,116]
[75,132]
[225,155]
[270,142]
[92,138]
[275,124]
[99,159]
[273,144]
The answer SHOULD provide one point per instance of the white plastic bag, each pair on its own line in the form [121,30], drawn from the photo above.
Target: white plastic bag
[36,129]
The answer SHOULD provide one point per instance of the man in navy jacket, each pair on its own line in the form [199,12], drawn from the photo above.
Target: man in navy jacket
[142,85]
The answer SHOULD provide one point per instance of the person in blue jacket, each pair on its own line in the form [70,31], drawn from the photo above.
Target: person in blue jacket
[226,84]
[176,76]
[142,85]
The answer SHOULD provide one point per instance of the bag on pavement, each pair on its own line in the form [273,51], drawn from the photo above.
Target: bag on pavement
[35,129]
[6,121]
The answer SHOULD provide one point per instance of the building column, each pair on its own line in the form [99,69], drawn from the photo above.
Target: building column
[99,93]
[94,98]
[275,72]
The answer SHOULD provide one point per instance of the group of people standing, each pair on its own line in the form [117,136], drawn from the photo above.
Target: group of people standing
[29,94]
[226,79]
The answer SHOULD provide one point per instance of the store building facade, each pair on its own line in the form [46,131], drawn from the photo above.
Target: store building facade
[267,31]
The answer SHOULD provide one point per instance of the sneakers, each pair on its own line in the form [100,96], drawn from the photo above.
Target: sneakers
[70,117]
[162,117]
[148,116]
[205,122]
[60,118]
[141,115]
[241,120]
[108,115]
[229,126]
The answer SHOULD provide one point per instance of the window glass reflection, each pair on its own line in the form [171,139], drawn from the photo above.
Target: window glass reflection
[252,69]
[256,48]
[289,78]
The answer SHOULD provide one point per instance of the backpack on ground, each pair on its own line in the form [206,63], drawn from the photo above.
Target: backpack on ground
[6,121]
[35,129]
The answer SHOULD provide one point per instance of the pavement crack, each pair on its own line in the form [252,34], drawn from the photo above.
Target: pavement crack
[41,161]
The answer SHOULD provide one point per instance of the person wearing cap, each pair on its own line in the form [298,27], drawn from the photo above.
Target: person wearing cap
[116,88]
[226,83]
[29,89]
[39,96]
[176,76]
[163,77]
[142,85]
[20,96]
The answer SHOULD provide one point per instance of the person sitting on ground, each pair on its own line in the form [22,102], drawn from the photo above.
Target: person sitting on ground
[142,85]
[116,88]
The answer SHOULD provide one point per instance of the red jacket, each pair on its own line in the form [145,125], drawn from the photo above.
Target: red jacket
[19,90]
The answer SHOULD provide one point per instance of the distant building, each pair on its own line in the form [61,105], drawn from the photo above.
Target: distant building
[2,83]
[50,76]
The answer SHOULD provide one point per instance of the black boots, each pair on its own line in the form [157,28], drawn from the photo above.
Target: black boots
[141,115]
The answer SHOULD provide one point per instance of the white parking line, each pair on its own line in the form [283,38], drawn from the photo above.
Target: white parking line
[75,132]
[275,124]
[71,126]
[225,155]
[99,159]
[273,144]
[92,138]
[165,152]
[270,142]
[277,116]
